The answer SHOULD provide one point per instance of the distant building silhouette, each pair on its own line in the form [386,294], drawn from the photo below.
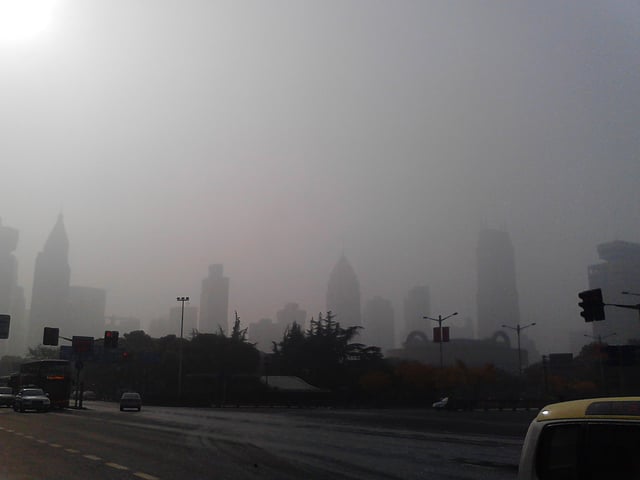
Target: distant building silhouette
[159,327]
[379,323]
[263,333]
[86,311]
[343,294]
[417,304]
[289,314]
[619,272]
[497,298]
[214,302]
[50,295]
[123,324]
[266,331]
[12,301]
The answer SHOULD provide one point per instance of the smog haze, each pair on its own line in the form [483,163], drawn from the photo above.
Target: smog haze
[274,137]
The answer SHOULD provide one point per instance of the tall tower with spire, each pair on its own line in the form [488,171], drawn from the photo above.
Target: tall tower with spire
[50,295]
[343,294]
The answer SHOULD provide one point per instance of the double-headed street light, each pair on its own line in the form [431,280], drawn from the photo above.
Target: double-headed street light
[182,300]
[518,329]
[440,319]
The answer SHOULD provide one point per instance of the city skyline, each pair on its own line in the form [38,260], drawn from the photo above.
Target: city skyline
[272,137]
[58,241]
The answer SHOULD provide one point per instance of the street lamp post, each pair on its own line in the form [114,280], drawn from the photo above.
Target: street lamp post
[182,300]
[518,329]
[440,320]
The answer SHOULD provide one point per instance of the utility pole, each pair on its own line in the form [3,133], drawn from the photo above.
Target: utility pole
[182,300]
[518,329]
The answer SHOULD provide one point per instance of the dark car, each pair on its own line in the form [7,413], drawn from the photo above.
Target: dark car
[130,400]
[6,396]
[31,399]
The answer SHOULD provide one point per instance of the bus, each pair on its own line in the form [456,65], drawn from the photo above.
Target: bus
[53,376]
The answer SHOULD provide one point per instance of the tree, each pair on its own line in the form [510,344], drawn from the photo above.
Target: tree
[42,353]
[325,354]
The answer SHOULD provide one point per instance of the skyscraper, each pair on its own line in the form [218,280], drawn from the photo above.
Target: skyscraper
[379,323]
[214,302]
[11,294]
[619,272]
[497,292]
[289,314]
[343,294]
[50,295]
[416,305]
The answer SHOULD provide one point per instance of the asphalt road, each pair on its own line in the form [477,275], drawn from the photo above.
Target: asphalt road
[101,442]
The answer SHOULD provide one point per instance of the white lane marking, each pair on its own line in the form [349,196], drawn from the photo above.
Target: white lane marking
[41,441]
[116,466]
[30,437]
[71,450]
[92,457]
[55,445]
[146,476]
[9,430]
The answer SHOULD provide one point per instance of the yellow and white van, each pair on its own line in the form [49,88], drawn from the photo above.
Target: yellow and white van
[597,438]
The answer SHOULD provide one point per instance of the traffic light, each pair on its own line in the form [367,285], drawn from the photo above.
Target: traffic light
[592,305]
[5,320]
[111,339]
[50,336]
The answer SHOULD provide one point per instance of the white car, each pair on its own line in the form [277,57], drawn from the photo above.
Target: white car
[442,403]
[31,399]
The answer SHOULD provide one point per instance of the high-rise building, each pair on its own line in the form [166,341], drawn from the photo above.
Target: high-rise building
[123,324]
[343,294]
[12,300]
[379,324]
[416,306]
[263,333]
[619,272]
[214,302]
[289,314]
[497,299]
[50,295]
[86,311]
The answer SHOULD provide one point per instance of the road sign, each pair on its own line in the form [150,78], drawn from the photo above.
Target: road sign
[4,325]
[440,334]
[82,344]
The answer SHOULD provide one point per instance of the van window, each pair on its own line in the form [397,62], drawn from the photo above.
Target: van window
[594,451]
[612,451]
[559,452]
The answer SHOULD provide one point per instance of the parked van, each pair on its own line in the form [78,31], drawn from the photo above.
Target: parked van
[587,439]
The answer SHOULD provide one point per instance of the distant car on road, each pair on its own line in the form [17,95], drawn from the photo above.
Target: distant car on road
[442,403]
[31,399]
[130,400]
[6,396]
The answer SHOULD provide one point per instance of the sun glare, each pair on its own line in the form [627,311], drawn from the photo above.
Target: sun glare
[22,20]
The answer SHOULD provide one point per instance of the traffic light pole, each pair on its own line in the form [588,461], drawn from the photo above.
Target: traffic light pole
[440,320]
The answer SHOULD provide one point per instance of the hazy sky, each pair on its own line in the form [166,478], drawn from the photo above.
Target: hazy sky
[273,136]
